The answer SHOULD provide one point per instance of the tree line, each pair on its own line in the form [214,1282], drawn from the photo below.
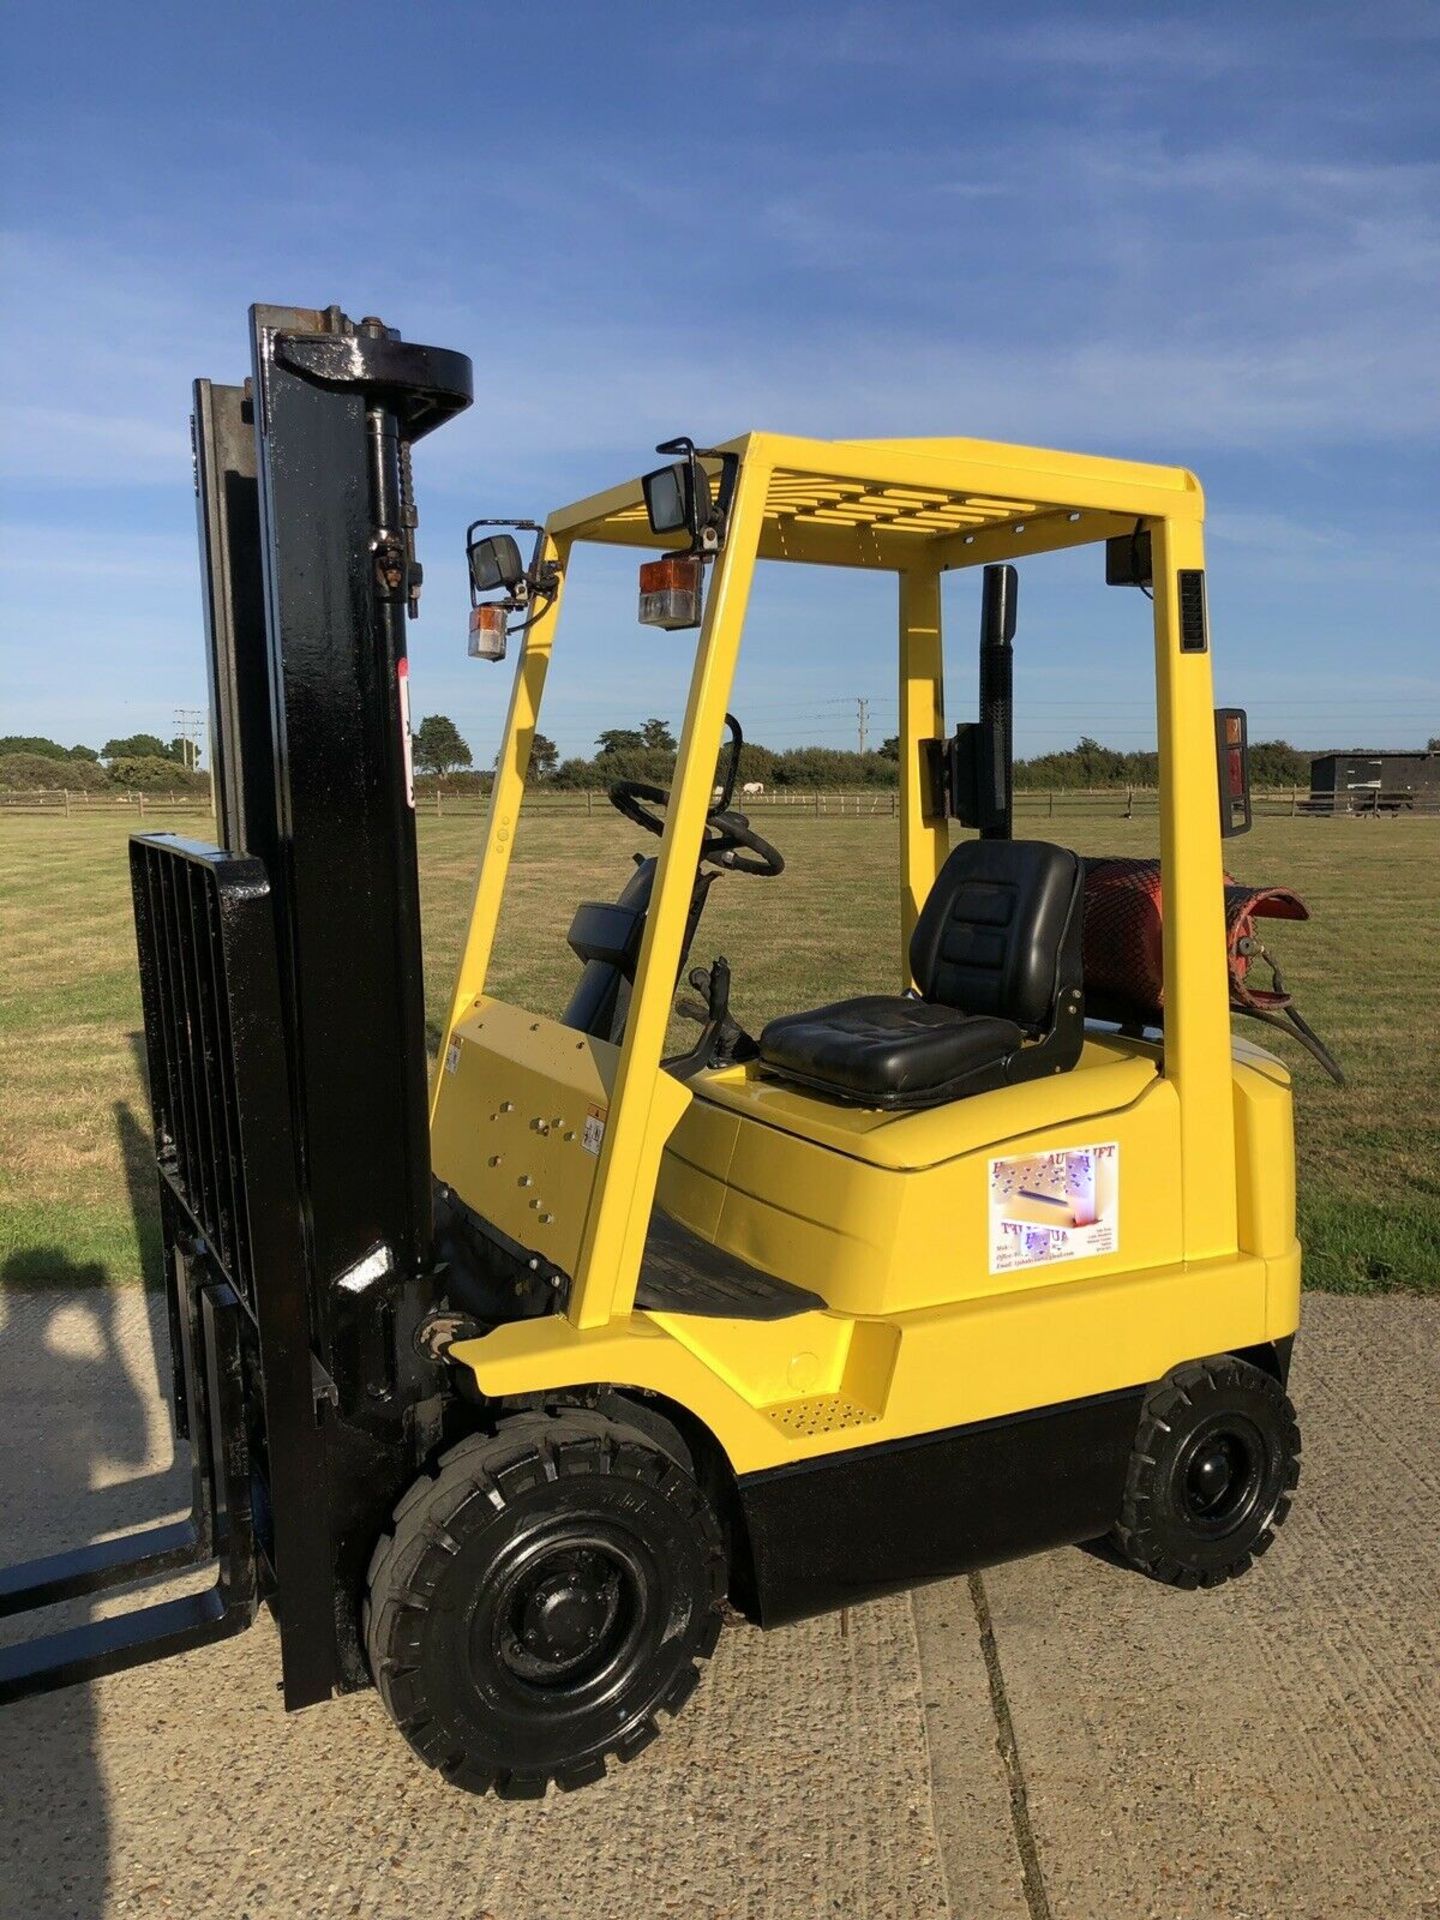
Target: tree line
[142,761]
[136,762]
[647,752]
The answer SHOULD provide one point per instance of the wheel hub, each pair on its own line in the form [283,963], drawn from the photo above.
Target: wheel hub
[564,1619]
[1212,1475]
[1219,1479]
[565,1615]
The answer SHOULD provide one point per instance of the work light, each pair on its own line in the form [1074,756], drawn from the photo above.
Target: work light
[495,563]
[677,498]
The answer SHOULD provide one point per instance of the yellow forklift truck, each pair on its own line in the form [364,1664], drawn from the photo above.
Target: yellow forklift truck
[899,1287]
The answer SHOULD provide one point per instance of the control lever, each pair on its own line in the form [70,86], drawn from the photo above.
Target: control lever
[721,1041]
[697,1010]
[716,988]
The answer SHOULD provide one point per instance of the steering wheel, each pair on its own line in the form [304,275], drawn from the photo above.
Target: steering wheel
[730,841]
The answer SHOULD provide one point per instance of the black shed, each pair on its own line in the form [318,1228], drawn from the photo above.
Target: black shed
[1363,778]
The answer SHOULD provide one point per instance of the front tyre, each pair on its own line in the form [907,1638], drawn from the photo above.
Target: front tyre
[540,1600]
[1214,1464]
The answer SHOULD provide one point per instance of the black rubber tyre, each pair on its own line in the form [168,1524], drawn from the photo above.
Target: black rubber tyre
[1215,1462]
[540,1599]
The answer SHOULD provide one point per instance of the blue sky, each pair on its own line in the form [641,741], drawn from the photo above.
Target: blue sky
[1208,235]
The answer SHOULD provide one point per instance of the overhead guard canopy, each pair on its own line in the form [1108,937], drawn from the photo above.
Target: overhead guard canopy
[895,504]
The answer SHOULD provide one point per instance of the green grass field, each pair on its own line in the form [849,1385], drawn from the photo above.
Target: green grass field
[76,1199]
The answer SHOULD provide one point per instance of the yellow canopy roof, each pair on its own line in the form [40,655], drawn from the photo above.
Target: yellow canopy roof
[893,503]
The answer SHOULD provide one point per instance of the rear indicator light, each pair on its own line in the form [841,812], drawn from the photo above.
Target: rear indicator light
[487,632]
[670,591]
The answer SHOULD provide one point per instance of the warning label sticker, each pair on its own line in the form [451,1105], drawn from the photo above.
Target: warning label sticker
[452,1057]
[1054,1206]
[594,1131]
[402,675]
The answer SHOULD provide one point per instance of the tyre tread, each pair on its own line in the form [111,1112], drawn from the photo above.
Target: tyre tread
[523,1451]
[1182,1390]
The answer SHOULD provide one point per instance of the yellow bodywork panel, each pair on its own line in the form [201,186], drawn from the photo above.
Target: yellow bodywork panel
[810,1357]
[1264,1152]
[920,1372]
[520,1131]
[1111,1073]
[920,1334]
[911,1226]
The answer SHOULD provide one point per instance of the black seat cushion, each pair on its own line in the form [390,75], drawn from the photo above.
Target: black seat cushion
[988,937]
[995,946]
[887,1049]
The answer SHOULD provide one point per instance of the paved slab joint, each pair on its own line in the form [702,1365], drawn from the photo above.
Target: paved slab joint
[1036,1898]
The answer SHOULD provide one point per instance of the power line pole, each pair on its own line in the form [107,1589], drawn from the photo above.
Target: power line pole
[189,730]
[863,707]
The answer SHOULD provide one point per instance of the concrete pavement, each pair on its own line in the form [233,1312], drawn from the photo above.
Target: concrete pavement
[1058,1741]
[1272,1748]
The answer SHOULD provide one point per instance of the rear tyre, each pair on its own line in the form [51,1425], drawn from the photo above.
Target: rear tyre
[540,1600]
[1215,1462]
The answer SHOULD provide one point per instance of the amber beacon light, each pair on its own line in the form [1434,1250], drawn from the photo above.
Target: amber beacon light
[670,591]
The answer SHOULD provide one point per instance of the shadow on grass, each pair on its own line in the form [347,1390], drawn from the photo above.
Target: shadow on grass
[50,1270]
[137,1156]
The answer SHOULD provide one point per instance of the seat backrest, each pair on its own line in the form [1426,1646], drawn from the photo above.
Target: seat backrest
[991,938]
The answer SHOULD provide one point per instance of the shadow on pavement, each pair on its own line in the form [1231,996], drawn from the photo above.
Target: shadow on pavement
[78,1458]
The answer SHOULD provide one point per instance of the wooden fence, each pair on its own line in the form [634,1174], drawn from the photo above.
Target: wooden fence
[880,803]
[883,803]
[86,802]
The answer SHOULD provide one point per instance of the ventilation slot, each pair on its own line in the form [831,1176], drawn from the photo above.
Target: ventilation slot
[1192,610]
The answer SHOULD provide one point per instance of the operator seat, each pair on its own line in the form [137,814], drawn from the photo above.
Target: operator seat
[996,957]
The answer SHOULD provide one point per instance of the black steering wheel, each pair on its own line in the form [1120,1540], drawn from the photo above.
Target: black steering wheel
[730,841]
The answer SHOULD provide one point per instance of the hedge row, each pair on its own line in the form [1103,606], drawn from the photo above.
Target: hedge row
[35,772]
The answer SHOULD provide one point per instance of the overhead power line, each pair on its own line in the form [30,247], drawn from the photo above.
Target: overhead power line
[190,731]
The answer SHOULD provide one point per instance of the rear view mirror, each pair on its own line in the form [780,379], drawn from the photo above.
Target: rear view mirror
[495,563]
[677,498]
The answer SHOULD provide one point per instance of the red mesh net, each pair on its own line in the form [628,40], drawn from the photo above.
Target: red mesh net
[1124,966]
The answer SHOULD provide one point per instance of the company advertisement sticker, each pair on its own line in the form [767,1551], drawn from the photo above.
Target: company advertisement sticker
[1046,1207]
